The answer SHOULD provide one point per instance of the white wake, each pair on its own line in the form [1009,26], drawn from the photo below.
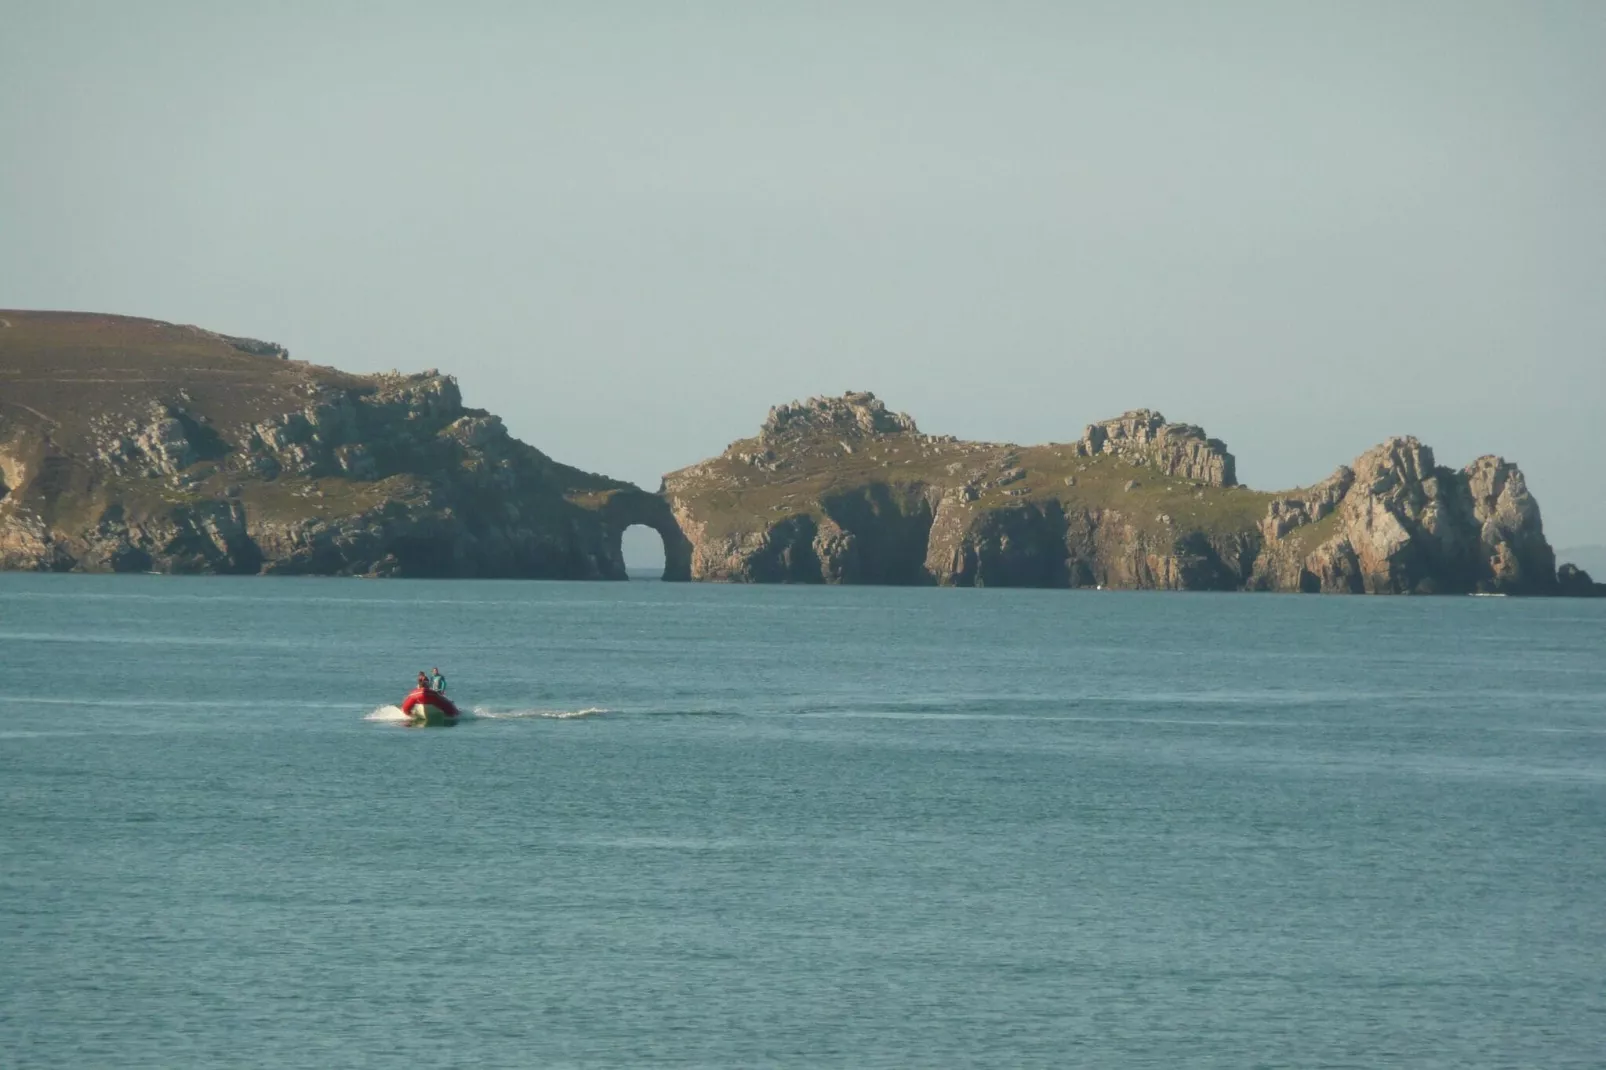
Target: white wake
[480,713]
[394,715]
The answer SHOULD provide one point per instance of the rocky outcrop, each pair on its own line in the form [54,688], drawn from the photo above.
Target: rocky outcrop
[1574,582]
[1512,552]
[1307,506]
[135,445]
[842,490]
[853,414]
[1402,524]
[1143,437]
[188,451]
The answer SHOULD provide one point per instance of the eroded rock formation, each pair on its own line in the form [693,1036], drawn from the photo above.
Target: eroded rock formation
[1576,583]
[133,445]
[1400,523]
[130,445]
[842,490]
[1144,437]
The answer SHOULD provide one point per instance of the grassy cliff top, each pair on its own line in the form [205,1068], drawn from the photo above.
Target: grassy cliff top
[77,388]
[759,480]
[57,369]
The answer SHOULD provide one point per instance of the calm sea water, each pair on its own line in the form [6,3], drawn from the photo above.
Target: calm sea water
[846,827]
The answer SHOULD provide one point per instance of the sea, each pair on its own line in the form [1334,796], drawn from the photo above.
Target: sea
[730,826]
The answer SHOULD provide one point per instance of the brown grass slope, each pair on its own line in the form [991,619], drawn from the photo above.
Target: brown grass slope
[385,473]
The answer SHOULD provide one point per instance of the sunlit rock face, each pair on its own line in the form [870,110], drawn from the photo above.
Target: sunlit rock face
[135,445]
[844,490]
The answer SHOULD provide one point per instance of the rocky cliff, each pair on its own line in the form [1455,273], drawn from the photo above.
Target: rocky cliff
[841,490]
[136,445]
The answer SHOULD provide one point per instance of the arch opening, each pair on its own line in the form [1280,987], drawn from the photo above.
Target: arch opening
[644,552]
[636,550]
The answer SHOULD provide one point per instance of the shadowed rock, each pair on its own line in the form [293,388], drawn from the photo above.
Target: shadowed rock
[1574,582]
[130,444]
[135,445]
[841,490]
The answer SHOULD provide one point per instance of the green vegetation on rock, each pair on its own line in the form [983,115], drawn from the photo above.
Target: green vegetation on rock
[129,444]
[841,490]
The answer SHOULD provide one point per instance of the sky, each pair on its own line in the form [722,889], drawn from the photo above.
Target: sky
[631,228]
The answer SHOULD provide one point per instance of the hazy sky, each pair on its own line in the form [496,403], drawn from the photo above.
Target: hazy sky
[631,228]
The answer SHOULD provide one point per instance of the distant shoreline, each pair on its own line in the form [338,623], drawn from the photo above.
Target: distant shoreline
[135,445]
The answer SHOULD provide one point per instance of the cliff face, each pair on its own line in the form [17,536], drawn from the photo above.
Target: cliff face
[1143,437]
[840,490]
[1402,524]
[134,445]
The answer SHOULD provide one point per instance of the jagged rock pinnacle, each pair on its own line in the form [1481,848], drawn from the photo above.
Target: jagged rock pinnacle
[853,413]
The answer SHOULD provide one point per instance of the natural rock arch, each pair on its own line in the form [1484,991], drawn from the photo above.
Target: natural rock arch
[627,508]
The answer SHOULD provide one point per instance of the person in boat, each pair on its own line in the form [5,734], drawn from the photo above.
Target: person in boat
[425,703]
[437,682]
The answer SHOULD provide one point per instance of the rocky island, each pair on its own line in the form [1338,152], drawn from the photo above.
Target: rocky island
[134,445]
[842,490]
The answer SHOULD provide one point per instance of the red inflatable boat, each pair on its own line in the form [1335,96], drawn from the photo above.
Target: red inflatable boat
[424,706]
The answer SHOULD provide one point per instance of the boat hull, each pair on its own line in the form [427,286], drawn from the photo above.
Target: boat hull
[425,714]
[426,707]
